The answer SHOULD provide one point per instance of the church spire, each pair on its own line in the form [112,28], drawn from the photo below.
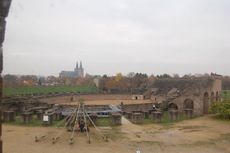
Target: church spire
[80,65]
[77,65]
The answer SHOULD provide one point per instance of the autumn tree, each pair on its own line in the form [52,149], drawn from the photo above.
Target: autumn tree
[11,80]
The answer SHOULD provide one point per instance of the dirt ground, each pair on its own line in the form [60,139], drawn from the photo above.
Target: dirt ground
[108,102]
[199,135]
[95,100]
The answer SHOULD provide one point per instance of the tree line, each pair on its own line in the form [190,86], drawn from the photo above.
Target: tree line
[119,83]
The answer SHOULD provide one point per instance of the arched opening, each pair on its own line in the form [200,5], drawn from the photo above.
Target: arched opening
[172,106]
[217,96]
[213,97]
[188,104]
[206,103]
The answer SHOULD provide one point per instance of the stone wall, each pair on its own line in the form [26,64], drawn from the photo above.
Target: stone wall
[136,107]
[202,92]
[138,97]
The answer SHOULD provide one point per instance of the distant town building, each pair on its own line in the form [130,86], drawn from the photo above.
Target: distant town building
[96,80]
[78,72]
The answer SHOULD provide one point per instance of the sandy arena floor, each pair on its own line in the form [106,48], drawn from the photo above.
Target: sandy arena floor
[95,100]
[200,135]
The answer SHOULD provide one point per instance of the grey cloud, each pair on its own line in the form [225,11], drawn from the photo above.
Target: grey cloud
[151,36]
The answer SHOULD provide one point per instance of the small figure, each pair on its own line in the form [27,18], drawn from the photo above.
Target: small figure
[82,126]
[154,107]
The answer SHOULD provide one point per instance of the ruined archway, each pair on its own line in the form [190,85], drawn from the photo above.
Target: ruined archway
[206,103]
[188,104]
[217,96]
[172,106]
[213,97]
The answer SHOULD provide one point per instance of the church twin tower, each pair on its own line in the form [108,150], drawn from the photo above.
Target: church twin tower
[78,72]
[78,68]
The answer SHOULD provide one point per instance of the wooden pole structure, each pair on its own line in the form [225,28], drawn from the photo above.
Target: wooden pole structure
[69,119]
[99,131]
[72,120]
[75,123]
[86,127]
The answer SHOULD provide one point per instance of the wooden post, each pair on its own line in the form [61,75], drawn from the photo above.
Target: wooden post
[86,126]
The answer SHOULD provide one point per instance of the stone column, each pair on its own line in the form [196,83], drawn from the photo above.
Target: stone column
[39,114]
[9,116]
[173,115]
[4,9]
[188,113]
[27,117]
[157,116]
[116,119]
[137,118]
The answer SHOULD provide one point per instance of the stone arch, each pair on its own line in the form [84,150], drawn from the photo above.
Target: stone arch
[206,103]
[213,97]
[173,106]
[217,96]
[188,104]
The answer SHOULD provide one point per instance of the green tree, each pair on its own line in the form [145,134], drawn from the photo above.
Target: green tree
[222,109]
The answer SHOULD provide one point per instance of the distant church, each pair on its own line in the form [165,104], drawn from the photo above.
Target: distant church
[78,72]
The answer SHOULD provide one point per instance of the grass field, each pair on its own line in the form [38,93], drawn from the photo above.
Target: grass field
[103,121]
[10,91]
[225,94]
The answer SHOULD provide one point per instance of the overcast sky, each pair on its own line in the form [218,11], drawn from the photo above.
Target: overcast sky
[44,37]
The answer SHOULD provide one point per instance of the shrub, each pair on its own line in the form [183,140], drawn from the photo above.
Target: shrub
[222,109]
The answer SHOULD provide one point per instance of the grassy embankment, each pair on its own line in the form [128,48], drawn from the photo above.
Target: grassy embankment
[11,91]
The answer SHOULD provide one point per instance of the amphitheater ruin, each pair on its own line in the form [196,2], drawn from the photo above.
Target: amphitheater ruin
[196,94]
[188,96]
[173,101]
